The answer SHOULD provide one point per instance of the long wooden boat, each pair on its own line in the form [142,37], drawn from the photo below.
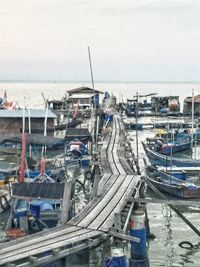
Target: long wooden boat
[173,183]
[182,142]
[156,158]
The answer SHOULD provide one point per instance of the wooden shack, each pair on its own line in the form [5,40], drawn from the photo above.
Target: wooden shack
[11,121]
[187,105]
[84,97]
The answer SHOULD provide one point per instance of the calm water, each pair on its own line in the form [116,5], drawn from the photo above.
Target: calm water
[168,228]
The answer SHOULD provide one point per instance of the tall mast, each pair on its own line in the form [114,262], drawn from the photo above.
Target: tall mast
[93,122]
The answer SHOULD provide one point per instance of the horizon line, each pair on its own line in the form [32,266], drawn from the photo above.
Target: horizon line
[87,81]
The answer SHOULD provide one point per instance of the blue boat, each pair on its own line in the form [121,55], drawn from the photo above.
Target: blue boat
[182,142]
[172,182]
[159,159]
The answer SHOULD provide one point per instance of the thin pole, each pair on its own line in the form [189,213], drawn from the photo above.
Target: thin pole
[91,71]
[136,120]
[29,127]
[23,155]
[92,110]
[45,130]
[192,117]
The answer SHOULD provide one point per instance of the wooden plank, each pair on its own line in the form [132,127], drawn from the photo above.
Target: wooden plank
[97,210]
[123,200]
[42,243]
[124,237]
[89,208]
[24,254]
[103,181]
[29,240]
[109,210]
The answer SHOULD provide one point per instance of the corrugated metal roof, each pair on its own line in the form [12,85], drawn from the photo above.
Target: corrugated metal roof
[19,113]
[38,190]
[82,89]
[31,139]
[77,132]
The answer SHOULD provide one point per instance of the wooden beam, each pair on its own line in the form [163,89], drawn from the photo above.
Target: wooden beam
[165,201]
[33,259]
[123,236]
[66,202]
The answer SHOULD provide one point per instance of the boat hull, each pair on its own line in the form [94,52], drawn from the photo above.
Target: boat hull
[172,185]
[156,158]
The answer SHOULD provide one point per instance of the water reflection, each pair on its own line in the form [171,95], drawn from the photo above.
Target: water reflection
[168,242]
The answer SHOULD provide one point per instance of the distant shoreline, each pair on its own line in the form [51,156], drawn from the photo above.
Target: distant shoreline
[135,82]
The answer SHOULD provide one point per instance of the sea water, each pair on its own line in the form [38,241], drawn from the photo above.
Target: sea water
[168,228]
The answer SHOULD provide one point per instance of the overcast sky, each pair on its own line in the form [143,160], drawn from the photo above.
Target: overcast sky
[130,40]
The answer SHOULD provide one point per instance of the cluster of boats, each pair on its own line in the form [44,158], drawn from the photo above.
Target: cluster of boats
[169,171]
[140,105]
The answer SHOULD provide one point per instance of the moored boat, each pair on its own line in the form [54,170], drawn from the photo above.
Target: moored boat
[174,183]
[180,143]
[157,158]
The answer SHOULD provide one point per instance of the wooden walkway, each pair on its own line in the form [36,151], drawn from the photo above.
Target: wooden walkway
[92,224]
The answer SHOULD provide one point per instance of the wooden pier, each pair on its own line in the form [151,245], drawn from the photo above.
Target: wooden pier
[94,223]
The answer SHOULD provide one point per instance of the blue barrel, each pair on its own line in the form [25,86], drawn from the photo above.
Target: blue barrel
[35,211]
[138,229]
[117,258]
[139,250]
[97,100]
[139,263]
[116,261]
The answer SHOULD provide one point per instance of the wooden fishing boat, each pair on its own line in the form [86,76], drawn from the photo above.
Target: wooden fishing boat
[182,142]
[172,182]
[157,158]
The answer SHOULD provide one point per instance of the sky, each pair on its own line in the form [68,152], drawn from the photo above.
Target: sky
[129,40]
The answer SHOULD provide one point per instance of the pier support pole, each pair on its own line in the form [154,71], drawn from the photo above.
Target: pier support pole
[93,258]
[97,178]
[23,156]
[66,202]
[139,256]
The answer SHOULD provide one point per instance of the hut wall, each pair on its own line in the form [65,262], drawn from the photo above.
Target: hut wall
[12,126]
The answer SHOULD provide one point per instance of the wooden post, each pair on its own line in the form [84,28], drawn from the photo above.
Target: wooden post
[97,178]
[22,169]
[43,167]
[66,203]
[117,221]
